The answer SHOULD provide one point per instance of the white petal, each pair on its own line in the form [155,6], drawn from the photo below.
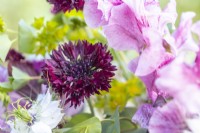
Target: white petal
[40,127]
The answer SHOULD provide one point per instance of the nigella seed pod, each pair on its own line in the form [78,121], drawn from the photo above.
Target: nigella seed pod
[79,70]
[66,5]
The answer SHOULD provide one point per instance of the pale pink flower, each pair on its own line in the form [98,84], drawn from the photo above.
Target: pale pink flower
[140,25]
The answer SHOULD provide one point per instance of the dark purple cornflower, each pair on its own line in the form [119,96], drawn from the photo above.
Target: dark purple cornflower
[77,71]
[66,5]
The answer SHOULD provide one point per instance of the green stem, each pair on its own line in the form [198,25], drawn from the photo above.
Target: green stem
[90,106]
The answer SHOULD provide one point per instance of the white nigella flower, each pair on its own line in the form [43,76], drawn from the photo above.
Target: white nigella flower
[42,117]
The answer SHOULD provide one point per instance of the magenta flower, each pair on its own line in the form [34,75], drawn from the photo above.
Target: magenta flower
[66,5]
[77,71]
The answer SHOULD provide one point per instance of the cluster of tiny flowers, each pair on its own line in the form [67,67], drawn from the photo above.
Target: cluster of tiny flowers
[79,70]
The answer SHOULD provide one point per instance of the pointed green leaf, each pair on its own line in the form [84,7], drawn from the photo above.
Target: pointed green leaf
[26,37]
[76,119]
[5,87]
[92,125]
[5,45]
[112,126]
[19,78]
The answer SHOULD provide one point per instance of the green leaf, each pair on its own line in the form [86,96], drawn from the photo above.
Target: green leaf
[5,45]
[92,125]
[126,124]
[26,37]
[5,87]
[112,126]
[19,78]
[76,119]
[128,112]
[18,74]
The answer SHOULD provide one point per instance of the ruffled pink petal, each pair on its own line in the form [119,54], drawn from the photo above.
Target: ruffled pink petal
[168,15]
[119,38]
[174,77]
[153,55]
[92,15]
[149,81]
[122,32]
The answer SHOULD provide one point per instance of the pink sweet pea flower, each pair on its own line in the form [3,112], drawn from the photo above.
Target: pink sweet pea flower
[182,114]
[137,25]
[178,75]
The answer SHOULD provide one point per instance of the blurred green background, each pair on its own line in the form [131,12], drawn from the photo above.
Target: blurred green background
[14,10]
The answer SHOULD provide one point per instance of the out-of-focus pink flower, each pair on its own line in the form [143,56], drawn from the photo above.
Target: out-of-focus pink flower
[181,81]
[183,39]
[176,118]
[168,119]
[177,76]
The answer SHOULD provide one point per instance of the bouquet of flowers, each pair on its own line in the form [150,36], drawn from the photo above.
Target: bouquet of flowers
[101,66]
